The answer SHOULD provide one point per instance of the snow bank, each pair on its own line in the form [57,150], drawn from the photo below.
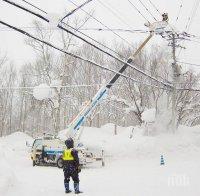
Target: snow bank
[7,177]
[184,142]
[149,115]
[13,148]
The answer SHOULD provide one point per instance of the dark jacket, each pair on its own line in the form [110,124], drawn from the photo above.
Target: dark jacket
[71,165]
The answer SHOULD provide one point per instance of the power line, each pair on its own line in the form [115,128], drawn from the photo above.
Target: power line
[114,13]
[43,18]
[115,57]
[97,20]
[92,39]
[138,11]
[75,56]
[189,89]
[76,9]
[179,11]
[105,52]
[147,10]
[155,7]
[82,58]
[100,43]
[34,6]
[118,29]
[81,29]
[193,64]
[27,10]
[56,86]
[190,19]
[193,13]
[31,28]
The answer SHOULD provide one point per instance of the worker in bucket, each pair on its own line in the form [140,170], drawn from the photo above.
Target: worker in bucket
[71,166]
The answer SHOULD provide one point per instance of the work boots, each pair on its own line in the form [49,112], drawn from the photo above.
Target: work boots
[67,190]
[76,188]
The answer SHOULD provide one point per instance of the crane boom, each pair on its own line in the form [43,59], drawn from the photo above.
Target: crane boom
[74,126]
[76,123]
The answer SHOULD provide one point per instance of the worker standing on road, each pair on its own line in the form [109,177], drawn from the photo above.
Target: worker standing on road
[71,166]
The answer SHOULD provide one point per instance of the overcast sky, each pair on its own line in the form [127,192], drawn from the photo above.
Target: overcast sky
[12,42]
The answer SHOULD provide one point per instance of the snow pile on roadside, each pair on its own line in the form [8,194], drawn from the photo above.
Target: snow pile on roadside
[16,140]
[149,115]
[186,140]
[7,176]
[13,148]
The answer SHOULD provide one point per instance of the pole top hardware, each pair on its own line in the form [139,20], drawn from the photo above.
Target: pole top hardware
[158,27]
[165,17]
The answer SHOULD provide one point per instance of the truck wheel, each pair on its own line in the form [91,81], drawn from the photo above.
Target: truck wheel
[37,161]
[60,163]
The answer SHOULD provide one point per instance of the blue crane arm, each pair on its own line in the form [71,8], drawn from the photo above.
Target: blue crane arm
[75,125]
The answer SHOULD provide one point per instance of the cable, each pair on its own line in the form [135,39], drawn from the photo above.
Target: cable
[179,11]
[188,89]
[105,46]
[101,23]
[92,39]
[193,41]
[193,13]
[34,6]
[111,10]
[81,29]
[153,5]
[190,19]
[116,58]
[138,11]
[193,64]
[119,30]
[148,10]
[27,10]
[41,17]
[81,58]
[76,9]
[57,86]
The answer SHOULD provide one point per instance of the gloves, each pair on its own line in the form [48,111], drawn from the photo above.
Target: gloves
[79,169]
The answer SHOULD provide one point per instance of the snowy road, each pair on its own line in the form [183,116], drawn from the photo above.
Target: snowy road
[135,178]
[131,175]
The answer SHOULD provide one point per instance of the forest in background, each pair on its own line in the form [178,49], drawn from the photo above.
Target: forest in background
[79,82]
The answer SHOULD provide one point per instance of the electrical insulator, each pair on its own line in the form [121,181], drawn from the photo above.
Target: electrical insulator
[165,17]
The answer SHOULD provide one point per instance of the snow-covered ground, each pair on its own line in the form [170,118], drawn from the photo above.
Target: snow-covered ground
[132,165]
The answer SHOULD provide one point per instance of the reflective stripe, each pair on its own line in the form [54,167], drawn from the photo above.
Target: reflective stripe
[67,155]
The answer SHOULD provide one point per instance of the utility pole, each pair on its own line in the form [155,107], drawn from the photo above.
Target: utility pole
[176,78]
[174,92]
[173,38]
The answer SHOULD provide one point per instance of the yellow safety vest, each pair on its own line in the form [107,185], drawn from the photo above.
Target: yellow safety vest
[67,155]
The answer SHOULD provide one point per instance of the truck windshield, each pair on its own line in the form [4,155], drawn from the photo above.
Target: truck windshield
[37,143]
